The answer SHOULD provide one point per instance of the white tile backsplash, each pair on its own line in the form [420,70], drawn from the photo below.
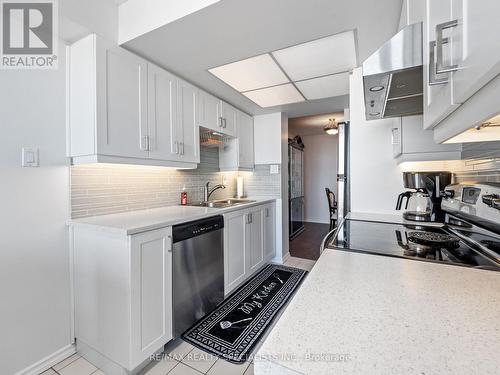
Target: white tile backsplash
[100,189]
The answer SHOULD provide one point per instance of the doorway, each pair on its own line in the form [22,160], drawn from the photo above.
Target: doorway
[313,168]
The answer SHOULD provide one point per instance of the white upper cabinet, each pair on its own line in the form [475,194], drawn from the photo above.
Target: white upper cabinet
[439,101]
[238,153]
[124,110]
[187,131]
[162,103]
[229,117]
[245,132]
[209,112]
[460,54]
[475,39]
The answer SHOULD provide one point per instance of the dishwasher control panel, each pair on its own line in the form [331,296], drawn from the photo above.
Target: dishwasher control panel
[196,228]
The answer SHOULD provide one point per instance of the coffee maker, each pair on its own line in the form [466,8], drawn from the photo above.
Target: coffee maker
[424,194]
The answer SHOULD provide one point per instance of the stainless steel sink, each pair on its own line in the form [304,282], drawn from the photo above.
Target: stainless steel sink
[223,203]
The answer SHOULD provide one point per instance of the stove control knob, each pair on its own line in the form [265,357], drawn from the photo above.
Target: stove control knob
[490,198]
[496,204]
[448,193]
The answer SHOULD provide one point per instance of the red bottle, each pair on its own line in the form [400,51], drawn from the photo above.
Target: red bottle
[184,198]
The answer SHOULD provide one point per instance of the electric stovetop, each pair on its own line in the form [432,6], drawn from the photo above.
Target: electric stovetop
[448,245]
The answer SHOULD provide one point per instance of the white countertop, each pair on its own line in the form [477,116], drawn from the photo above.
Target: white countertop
[145,220]
[396,218]
[387,316]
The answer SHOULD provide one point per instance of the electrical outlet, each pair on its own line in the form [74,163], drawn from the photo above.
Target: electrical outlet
[223,179]
[274,169]
[30,157]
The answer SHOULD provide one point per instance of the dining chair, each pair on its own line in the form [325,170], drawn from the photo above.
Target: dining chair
[332,207]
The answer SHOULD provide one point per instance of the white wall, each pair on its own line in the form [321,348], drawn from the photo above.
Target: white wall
[34,266]
[320,171]
[35,312]
[285,230]
[268,138]
[376,179]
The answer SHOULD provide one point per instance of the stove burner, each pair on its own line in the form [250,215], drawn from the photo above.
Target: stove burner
[434,239]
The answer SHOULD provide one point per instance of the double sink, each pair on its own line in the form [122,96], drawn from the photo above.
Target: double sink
[223,203]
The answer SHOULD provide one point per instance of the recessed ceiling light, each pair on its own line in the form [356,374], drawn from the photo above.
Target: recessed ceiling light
[376,88]
[273,96]
[325,87]
[321,57]
[251,74]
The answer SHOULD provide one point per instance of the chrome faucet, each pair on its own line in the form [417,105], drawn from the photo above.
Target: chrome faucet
[208,192]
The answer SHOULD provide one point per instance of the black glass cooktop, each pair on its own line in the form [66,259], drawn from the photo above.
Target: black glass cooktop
[415,242]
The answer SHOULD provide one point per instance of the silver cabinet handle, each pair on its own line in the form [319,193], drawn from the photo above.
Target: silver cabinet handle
[182,148]
[221,122]
[249,219]
[176,147]
[225,123]
[440,41]
[267,212]
[144,143]
[433,80]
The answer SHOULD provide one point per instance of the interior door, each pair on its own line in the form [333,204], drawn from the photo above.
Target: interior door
[162,96]
[121,102]
[189,131]
[439,101]
[151,293]
[475,40]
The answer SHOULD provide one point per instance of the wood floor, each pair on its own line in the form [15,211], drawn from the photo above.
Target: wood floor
[306,245]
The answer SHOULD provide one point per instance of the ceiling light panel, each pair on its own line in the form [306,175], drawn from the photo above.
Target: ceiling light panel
[325,87]
[251,74]
[273,96]
[333,54]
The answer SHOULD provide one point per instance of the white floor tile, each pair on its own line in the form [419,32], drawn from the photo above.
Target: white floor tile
[66,362]
[182,369]
[160,367]
[199,360]
[178,349]
[79,367]
[222,367]
[249,370]
[49,372]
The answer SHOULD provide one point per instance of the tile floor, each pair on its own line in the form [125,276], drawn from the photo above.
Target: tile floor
[181,358]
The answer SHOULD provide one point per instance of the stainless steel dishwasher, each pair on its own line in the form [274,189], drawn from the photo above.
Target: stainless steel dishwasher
[198,270]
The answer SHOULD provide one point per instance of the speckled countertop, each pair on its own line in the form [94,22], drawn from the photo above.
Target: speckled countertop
[367,314]
[145,220]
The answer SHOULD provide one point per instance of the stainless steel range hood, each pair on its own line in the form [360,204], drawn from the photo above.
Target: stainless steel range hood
[393,78]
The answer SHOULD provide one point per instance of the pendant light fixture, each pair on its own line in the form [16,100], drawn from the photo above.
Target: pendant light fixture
[331,128]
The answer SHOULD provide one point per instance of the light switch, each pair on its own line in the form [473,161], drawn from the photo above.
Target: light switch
[30,157]
[274,169]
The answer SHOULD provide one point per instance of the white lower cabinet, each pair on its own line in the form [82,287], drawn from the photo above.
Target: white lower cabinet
[123,294]
[249,243]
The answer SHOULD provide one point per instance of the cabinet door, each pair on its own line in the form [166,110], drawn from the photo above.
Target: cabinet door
[269,232]
[235,269]
[230,119]
[209,111]
[151,293]
[187,127]
[162,97]
[121,80]
[439,101]
[475,39]
[255,240]
[245,142]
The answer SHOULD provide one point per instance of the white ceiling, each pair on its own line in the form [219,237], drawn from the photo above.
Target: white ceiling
[233,30]
[312,125]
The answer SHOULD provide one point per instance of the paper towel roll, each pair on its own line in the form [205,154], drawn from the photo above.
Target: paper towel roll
[239,187]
